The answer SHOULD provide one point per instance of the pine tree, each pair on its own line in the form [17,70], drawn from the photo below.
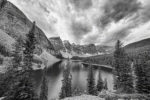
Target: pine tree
[143,78]
[91,82]
[100,84]
[44,88]
[29,48]
[122,70]
[6,81]
[11,76]
[23,87]
[116,64]
[66,90]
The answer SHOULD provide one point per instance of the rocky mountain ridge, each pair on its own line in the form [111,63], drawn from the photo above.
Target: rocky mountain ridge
[139,46]
[14,24]
[76,49]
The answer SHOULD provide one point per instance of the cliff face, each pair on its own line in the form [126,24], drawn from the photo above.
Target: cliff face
[72,49]
[68,46]
[85,49]
[15,24]
[57,44]
[77,48]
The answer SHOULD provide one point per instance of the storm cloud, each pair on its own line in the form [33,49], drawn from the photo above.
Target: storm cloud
[145,14]
[82,4]
[90,21]
[118,31]
[115,10]
[80,29]
[118,34]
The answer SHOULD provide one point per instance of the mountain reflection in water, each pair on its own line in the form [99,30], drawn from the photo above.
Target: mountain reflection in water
[79,77]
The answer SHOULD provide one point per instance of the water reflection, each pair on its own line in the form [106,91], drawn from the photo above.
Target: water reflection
[79,77]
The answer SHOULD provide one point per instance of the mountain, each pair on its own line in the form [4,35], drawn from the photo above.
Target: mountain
[68,46]
[84,50]
[90,49]
[77,49]
[139,46]
[133,50]
[57,43]
[14,24]
[104,49]
[65,47]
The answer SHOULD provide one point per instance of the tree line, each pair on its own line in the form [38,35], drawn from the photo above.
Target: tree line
[92,87]
[131,75]
[18,83]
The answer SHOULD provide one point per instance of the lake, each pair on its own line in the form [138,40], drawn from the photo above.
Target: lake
[79,74]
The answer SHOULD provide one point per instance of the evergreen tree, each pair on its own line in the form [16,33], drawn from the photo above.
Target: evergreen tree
[122,70]
[116,64]
[91,82]
[29,48]
[66,90]
[23,87]
[10,77]
[6,81]
[143,78]
[100,83]
[44,88]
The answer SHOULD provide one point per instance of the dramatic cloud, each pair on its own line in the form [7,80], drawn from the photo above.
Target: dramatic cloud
[115,10]
[138,33]
[145,14]
[117,31]
[82,4]
[90,21]
[80,29]
[36,11]
[116,35]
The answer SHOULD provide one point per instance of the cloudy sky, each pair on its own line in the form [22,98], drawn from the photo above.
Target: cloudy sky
[90,21]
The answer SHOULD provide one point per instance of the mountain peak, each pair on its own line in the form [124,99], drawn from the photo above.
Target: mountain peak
[15,24]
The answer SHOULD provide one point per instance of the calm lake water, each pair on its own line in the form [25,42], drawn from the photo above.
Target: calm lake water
[79,74]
